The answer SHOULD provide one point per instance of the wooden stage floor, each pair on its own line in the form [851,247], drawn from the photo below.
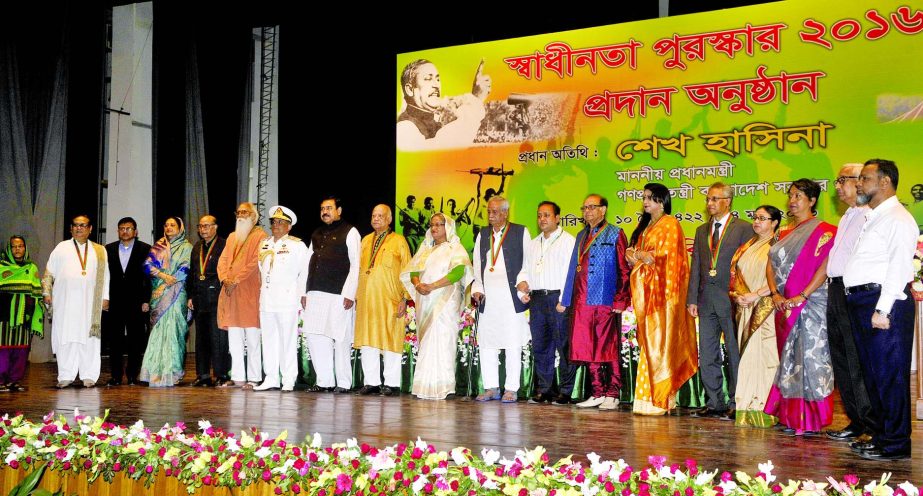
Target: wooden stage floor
[446,424]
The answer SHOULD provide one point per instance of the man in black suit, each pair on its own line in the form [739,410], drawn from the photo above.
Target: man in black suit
[202,288]
[125,324]
[716,241]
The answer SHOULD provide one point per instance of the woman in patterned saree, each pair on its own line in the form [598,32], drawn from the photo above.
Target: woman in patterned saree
[755,317]
[666,331]
[797,277]
[436,278]
[168,265]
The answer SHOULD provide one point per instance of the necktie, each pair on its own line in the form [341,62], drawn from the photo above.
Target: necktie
[715,236]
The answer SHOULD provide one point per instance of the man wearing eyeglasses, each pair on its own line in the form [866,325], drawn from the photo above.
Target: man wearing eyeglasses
[877,280]
[847,370]
[715,243]
[239,300]
[202,289]
[75,288]
[130,290]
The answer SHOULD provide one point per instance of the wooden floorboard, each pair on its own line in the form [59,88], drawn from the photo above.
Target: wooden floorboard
[446,424]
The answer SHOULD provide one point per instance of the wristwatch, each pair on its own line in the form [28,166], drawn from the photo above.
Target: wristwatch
[885,315]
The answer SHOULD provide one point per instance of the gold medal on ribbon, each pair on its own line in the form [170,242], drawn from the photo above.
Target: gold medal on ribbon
[713,272]
[202,277]
[578,268]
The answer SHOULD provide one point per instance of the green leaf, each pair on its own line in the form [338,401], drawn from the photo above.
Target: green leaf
[29,483]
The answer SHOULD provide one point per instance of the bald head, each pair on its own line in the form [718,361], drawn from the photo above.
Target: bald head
[381,218]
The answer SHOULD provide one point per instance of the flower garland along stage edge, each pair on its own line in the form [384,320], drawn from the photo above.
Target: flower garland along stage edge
[213,457]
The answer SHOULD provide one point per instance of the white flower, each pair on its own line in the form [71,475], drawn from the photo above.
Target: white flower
[418,484]
[458,456]
[917,285]
[263,452]
[421,444]
[665,473]
[285,466]
[12,456]
[589,490]
[204,425]
[70,454]
[704,477]
[233,445]
[767,469]
[909,488]
[489,484]
[352,443]
[490,456]
[728,486]
[381,461]
[316,441]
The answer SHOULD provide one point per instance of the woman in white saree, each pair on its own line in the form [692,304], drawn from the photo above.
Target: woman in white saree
[436,279]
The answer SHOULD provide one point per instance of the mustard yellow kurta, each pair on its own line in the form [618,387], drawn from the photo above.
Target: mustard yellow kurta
[379,294]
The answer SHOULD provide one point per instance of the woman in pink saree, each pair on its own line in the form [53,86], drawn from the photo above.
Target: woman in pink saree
[797,275]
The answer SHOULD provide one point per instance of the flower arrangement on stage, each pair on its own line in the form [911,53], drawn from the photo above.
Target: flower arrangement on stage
[916,288]
[467,334]
[411,342]
[629,348]
[213,457]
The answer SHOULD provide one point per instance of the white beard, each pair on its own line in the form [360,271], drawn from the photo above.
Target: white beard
[244,226]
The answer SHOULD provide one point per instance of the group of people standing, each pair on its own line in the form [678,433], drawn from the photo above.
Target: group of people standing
[798,309]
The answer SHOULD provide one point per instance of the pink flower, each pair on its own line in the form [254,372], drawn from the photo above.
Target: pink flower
[656,461]
[14,464]
[626,492]
[726,476]
[296,488]
[148,469]
[643,475]
[851,479]
[416,454]
[610,487]
[278,490]
[625,476]
[266,475]
[207,480]
[689,491]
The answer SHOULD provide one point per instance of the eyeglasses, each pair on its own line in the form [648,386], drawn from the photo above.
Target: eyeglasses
[124,229]
[762,218]
[437,225]
[715,198]
[80,226]
[589,207]
[842,179]
[205,226]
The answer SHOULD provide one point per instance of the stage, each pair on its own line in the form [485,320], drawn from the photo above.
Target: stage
[381,421]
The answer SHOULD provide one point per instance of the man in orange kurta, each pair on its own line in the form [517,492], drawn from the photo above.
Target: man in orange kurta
[239,302]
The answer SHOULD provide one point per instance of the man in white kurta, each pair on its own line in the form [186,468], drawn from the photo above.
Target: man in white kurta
[330,314]
[76,289]
[283,275]
[499,257]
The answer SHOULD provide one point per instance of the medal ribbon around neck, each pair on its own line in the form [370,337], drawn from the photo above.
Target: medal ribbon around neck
[376,248]
[203,260]
[83,261]
[716,249]
[587,244]
[496,253]
[542,258]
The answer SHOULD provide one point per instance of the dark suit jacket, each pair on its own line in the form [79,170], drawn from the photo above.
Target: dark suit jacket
[130,288]
[204,293]
[702,286]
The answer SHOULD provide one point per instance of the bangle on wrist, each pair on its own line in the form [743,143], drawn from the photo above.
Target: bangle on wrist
[803,295]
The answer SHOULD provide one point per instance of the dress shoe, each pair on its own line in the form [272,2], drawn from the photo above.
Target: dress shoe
[707,413]
[730,415]
[541,398]
[390,391]
[89,383]
[226,384]
[113,382]
[318,389]
[846,434]
[266,386]
[368,390]
[4,388]
[563,399]
[880,454]
[15,387]
[859,447]
[591,402]
[202,382]
[609,403]
[341,390]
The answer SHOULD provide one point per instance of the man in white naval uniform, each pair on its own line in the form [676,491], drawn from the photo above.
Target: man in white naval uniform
[330,314]
[283,275]
[499,265]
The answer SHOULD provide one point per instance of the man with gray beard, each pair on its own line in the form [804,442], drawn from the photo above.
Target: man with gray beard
[239,301]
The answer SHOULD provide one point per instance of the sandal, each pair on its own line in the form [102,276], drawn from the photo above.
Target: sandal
[509,397]
[489,395]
